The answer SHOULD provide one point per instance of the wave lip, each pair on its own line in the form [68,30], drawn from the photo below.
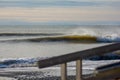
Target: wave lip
[77,38]
[66,38]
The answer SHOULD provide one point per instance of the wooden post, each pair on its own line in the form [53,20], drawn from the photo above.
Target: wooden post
[64,71]
[79,69]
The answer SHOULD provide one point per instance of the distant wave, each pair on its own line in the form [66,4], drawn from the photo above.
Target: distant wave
[71,38]
[79,35]
[29,34]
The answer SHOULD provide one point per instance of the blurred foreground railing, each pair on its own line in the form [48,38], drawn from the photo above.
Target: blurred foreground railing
[111,71]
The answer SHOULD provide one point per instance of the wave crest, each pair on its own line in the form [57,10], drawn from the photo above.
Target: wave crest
[82,35]
[102,35]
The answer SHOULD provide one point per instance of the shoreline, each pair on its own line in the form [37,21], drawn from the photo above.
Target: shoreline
[52,73]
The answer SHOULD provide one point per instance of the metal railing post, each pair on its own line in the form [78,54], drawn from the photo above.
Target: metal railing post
[79,69]
[64,71]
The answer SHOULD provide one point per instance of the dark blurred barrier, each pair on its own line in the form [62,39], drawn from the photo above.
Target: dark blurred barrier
[78,56]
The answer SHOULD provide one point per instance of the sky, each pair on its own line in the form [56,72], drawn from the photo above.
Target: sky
[79,12]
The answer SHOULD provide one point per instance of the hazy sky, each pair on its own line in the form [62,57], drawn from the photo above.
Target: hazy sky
[59,12]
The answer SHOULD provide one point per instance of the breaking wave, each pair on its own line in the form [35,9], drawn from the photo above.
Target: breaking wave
[19,62]
[101,34]
[72,38]
[82,35]
[32,62]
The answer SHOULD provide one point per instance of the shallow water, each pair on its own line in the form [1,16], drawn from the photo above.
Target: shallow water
[22,49]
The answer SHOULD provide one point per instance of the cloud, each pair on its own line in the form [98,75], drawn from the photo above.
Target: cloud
[60,10]
[60,14]
[41,3]
[63,3]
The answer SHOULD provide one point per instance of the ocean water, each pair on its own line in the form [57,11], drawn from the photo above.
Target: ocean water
[25,45]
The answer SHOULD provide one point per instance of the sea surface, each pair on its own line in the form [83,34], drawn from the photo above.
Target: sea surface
[23,46]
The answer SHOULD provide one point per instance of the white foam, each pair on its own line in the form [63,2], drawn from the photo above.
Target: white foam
[102,34]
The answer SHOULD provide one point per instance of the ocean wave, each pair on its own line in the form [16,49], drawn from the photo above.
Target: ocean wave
[102,34]
[20,62]
[67,38]
[71,38]
[80,35]
[29,34]
[32,62]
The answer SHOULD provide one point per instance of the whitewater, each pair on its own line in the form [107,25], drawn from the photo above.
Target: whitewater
[22,46]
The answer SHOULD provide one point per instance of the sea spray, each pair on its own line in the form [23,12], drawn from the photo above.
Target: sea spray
[102,35]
